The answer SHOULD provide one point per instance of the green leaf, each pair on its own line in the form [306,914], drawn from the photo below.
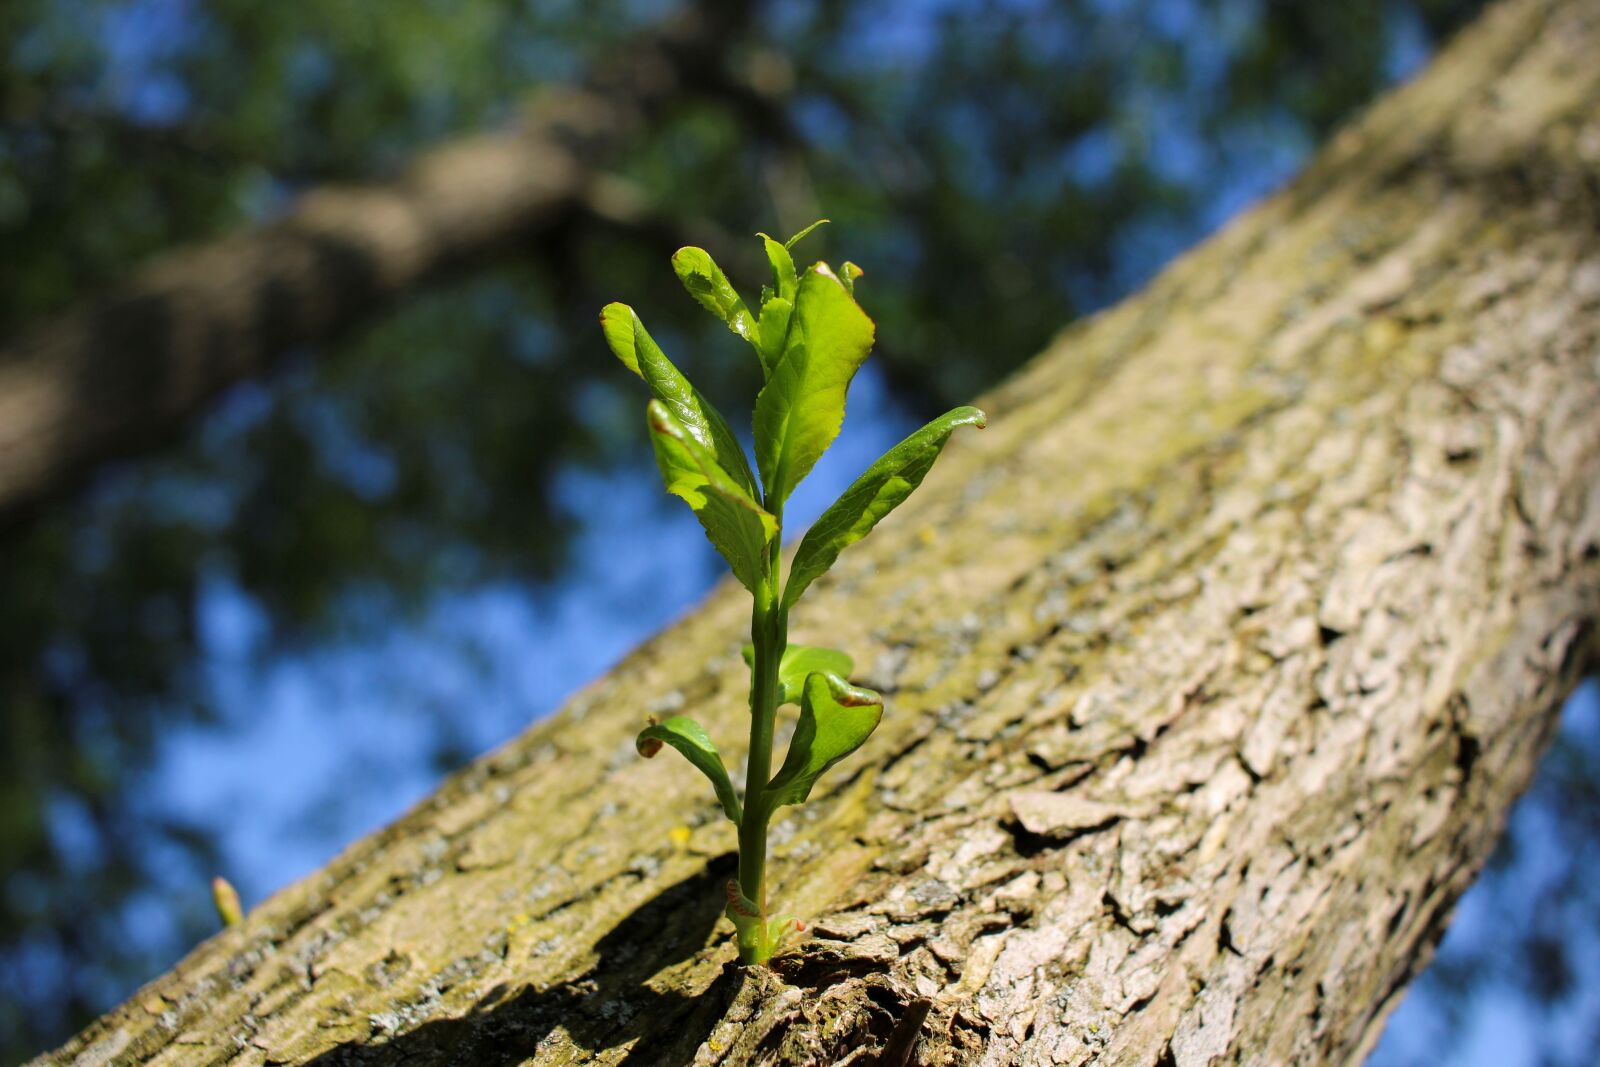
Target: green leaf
[783,273]
[772,330]
[799,661]
[738,527]
[707,284]
[639,353]
[691,739]
[791,242]
[836,718]
[800,409]
[879,490]
[617,323]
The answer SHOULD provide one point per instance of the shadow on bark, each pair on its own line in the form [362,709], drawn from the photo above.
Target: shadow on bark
[605,1008]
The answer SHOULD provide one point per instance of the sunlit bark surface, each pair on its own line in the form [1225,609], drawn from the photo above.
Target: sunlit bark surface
[1213,665]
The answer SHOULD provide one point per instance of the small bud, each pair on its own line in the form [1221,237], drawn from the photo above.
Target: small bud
[226,898]
[849,274]
[648,746]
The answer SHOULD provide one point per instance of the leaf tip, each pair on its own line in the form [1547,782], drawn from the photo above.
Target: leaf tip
[690,260]
[848,274]
[791,242]
[843,693]
[621,327]
[660,418]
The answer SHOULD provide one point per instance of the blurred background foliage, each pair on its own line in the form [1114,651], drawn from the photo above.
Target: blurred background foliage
[410,495]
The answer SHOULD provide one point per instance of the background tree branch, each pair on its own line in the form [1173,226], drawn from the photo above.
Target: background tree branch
[117,373]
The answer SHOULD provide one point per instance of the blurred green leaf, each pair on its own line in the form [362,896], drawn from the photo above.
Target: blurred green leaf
[226,899]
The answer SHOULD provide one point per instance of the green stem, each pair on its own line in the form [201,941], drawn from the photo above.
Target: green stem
[769,635]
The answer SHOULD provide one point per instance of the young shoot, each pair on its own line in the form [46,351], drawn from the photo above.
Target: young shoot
[810,336]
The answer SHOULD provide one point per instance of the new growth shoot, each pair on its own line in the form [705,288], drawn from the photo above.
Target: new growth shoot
[810,336]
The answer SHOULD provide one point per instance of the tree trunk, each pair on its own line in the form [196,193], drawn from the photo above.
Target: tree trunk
[124,371]
[1214,665]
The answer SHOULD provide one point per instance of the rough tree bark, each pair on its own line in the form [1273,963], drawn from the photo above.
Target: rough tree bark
[126,370]
[1214,665]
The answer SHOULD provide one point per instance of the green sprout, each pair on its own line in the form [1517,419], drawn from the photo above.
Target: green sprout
[810,336]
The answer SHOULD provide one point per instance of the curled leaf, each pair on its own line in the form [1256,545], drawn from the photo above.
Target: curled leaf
[738,903]
[705,282]
[848,274]
[772,331]
[799,661]
[881,488]
[738,527]
[617,323]
[836,718]
[691,739]
[784,278]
